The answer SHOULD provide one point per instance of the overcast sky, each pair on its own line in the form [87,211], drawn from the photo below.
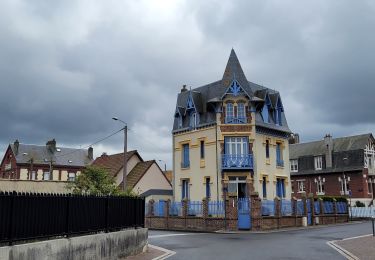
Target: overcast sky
[68,67]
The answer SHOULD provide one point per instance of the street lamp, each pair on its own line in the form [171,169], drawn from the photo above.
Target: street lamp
[165,165]
[125,152]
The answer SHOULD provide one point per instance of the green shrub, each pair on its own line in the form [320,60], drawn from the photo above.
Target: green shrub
[359,204]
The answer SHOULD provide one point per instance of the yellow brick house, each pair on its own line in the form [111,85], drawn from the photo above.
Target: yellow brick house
[230,138]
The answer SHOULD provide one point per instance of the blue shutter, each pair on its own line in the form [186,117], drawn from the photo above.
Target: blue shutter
[278,152]
[283,187]
[183,189]
[208,191]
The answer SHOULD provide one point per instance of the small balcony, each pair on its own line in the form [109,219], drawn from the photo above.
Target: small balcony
[235,120]
[279,163]
[237,161]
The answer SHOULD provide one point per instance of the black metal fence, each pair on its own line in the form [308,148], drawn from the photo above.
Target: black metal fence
[25,216]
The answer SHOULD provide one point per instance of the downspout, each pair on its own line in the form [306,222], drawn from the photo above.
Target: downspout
[174,170]
[217,168]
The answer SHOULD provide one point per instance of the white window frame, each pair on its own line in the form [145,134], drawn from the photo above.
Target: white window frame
[72,178]
[293,165]
[319,188]
[301,187]
[33,175]
[241,113]
[318,162]
[237,145]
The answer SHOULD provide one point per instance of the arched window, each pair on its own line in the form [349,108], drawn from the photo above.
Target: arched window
[241,113]
[230,111]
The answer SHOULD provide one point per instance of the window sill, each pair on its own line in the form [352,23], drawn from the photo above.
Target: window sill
[185,168]
[202,163]
[320,193]
[301,192]
[279,167]
[268,162]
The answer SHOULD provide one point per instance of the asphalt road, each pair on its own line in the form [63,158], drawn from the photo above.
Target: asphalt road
[298,244]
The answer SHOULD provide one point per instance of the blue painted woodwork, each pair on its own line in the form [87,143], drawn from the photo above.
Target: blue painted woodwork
[264,187]
[185,189]
[195,208]
[185,156]
[237,161]
[328,207]
[208,189]
[190,103]
[159,208]
[309,215]
[316,207]
[267,149]
[265,110]
[175,208]
[280,188]
[244,221]
[341,207]
[235,89]
[300,208]
[279,161]
[235,120]
[216,208]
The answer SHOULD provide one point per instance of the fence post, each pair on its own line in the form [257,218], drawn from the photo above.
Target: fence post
[205,211]
[184,210]
[231,209]
[312,208]
[255,212]
[294,210]
[322,213]
[67,214]
[277,203]
[166,212]
[10,230]
[151,207]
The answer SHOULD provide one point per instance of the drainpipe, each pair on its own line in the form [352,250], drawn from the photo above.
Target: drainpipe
[217,169]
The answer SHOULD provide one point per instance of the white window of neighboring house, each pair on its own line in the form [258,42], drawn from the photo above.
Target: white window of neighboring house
[320,188]
[301,185]
[294,165]
[318,162]
[71,176]
[33,175]
[46,176]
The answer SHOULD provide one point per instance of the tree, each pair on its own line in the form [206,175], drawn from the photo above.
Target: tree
[94,181]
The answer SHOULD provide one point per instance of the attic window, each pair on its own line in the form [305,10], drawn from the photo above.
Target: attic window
[58,149]
[46,160]
[70,161]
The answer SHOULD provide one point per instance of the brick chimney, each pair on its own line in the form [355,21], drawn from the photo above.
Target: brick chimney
[328,150]
[51,145]
[90,153]
[16,145]
[294,138]
[184,89]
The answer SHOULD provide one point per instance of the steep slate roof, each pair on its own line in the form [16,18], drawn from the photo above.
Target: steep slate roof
[42,155]
[206,96]
[113,163]
[341,144]
[156,192]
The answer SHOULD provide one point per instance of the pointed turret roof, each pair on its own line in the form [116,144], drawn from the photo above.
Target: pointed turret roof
[233,71]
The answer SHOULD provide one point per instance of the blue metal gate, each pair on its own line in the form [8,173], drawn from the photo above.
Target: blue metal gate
[309,215]
[244,221]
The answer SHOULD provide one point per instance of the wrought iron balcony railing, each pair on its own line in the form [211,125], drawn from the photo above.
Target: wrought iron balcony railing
[235,120]
[237,161]
[185,164]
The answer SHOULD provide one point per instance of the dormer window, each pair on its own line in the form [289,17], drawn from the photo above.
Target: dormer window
[237,116]
[278,111]
[193,120]
[179,121]
[265,114]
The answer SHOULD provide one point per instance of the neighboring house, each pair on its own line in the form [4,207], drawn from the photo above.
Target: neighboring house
[169,175]
[230,136]
[43,162]
[143,177]
[334,167]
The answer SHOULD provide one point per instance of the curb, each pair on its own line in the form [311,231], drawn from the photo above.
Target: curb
[167,253]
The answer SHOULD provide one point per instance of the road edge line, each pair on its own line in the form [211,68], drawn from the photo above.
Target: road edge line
[167,252]
[341,250]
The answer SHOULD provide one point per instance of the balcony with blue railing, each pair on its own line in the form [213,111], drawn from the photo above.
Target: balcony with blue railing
[279,163]
[237,161]
[235,120]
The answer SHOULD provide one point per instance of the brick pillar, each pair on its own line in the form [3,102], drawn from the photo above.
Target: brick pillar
[294,210]
[304,200]
[255,212]
[249,186]
[205,211]
[151,207]
[277,210]
[312,209]
[231,214]
[166,212]
[184,210]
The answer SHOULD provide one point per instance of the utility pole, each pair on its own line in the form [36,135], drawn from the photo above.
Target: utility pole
[125,152]
[125,157]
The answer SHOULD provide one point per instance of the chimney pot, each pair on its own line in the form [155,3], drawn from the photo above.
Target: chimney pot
[51,145]
[16,146]
[183,88]
[90,153]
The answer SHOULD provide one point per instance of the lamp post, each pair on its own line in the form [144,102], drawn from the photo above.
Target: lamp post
[165,165]
[125,152]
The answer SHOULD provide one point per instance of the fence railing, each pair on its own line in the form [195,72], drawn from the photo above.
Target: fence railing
[216,208]
[317,207]
[328,207]
[300,208]
[362,212]
[342,207]
[33,216]
[286,208]
[195,208]
[175,208]
[268,208]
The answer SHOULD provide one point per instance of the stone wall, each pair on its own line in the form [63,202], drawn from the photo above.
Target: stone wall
[112,245]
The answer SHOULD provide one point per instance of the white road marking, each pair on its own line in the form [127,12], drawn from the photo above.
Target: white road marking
[357,237]
[173,235]
[167,253]
[342,251]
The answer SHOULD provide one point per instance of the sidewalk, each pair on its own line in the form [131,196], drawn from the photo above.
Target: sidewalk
[362,247]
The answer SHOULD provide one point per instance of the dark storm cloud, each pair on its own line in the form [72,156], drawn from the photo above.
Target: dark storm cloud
[67,67]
